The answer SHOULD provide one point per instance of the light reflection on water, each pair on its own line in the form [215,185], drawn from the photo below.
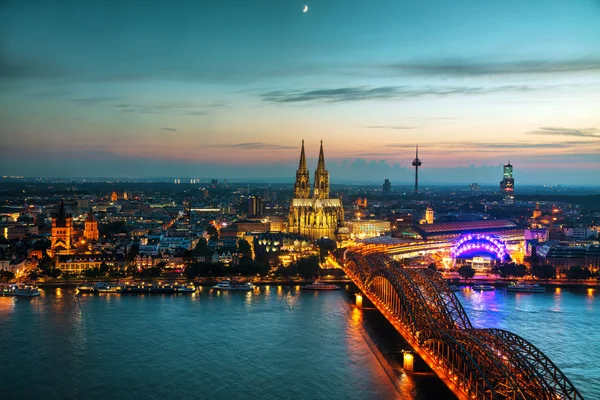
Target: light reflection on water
[270,343]
[562,323]
[256,344]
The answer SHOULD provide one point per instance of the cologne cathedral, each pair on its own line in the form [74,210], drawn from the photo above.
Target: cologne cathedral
[314,216]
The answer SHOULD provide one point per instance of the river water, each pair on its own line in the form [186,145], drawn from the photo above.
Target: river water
[276,342]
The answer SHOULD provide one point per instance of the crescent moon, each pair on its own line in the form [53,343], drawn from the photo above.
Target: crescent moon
[305,8]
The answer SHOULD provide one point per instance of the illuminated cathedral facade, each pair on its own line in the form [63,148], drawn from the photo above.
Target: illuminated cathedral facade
[314,215]
[61,241]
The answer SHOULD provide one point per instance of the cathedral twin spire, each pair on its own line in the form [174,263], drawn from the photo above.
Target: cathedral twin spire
[321,182]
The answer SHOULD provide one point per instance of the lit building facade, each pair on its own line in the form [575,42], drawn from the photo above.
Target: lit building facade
[429,215]
[318,215]
[364,228]
[61,239]
[91,227]
[507,185]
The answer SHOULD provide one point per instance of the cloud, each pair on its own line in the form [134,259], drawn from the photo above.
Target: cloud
[92,101]
[179,108]
[389,127]
[557,131]
[459,68]
[169,129]
[257,145]
[389,92]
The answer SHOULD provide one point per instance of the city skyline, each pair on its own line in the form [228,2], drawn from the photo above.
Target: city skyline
[230,89]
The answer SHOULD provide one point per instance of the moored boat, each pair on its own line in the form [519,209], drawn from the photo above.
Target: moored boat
[185,288]
[103,287]
[14,289]
[485,288]
[320,286]
[233,286]
[525,288]
[454,288]
[27,290]
[87,287]
[162,289]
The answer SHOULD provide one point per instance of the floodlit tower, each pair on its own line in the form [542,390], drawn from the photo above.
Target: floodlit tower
[417,163]
[429,215]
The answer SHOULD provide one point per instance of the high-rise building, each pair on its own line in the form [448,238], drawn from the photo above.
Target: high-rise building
[317,216]
[113,196]
[507,185]
[417,163]
[387,187]
[91,227]
[255,206]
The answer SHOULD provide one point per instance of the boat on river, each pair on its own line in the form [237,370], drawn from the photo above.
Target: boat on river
[525,288]
[103,287]
[454,288]
[185,289]
[484,288]
[233,286]
[320,286]
[20,289]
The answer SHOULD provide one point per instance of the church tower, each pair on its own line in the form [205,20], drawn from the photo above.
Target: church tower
[91,227]
[321,178]
[62,232]
[302,185]
[315,216]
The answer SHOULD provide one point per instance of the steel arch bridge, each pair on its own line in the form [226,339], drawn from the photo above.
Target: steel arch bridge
[473,363]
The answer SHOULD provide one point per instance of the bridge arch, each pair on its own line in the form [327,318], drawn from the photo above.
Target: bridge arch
[480,363]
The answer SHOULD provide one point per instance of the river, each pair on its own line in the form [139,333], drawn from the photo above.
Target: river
[272,343]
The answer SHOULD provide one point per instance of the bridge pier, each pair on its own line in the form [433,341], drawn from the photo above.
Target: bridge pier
[359,300]
[408,363]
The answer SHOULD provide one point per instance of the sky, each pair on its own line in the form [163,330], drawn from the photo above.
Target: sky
[230,88]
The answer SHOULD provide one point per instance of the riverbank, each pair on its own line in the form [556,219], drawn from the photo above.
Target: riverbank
[207,282]
[553,283]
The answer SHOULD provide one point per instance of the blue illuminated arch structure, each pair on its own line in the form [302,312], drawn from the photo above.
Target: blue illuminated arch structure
[480,242]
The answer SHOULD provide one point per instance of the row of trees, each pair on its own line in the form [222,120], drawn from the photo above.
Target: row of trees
[543,272]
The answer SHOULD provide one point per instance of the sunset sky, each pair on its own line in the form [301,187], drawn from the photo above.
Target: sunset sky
[229,88]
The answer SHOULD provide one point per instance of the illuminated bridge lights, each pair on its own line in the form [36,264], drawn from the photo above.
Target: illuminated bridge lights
[488,243]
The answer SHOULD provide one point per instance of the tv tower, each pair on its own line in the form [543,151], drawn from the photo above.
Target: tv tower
[417,163]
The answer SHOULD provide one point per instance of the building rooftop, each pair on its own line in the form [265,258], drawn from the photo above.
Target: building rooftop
[464,226]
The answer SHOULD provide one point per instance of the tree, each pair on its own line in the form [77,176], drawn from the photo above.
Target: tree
[7,276]
[45,263]
[244,247]
[52,273]
[577,273]
[325,247]
[116,273]
[466,272]
[432,266]
[103,268]
[308,267]
[509,270]
[200,246]
[33,275]
[66,275]
[544,272]
[133,252]
[92,273]
[212,231]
